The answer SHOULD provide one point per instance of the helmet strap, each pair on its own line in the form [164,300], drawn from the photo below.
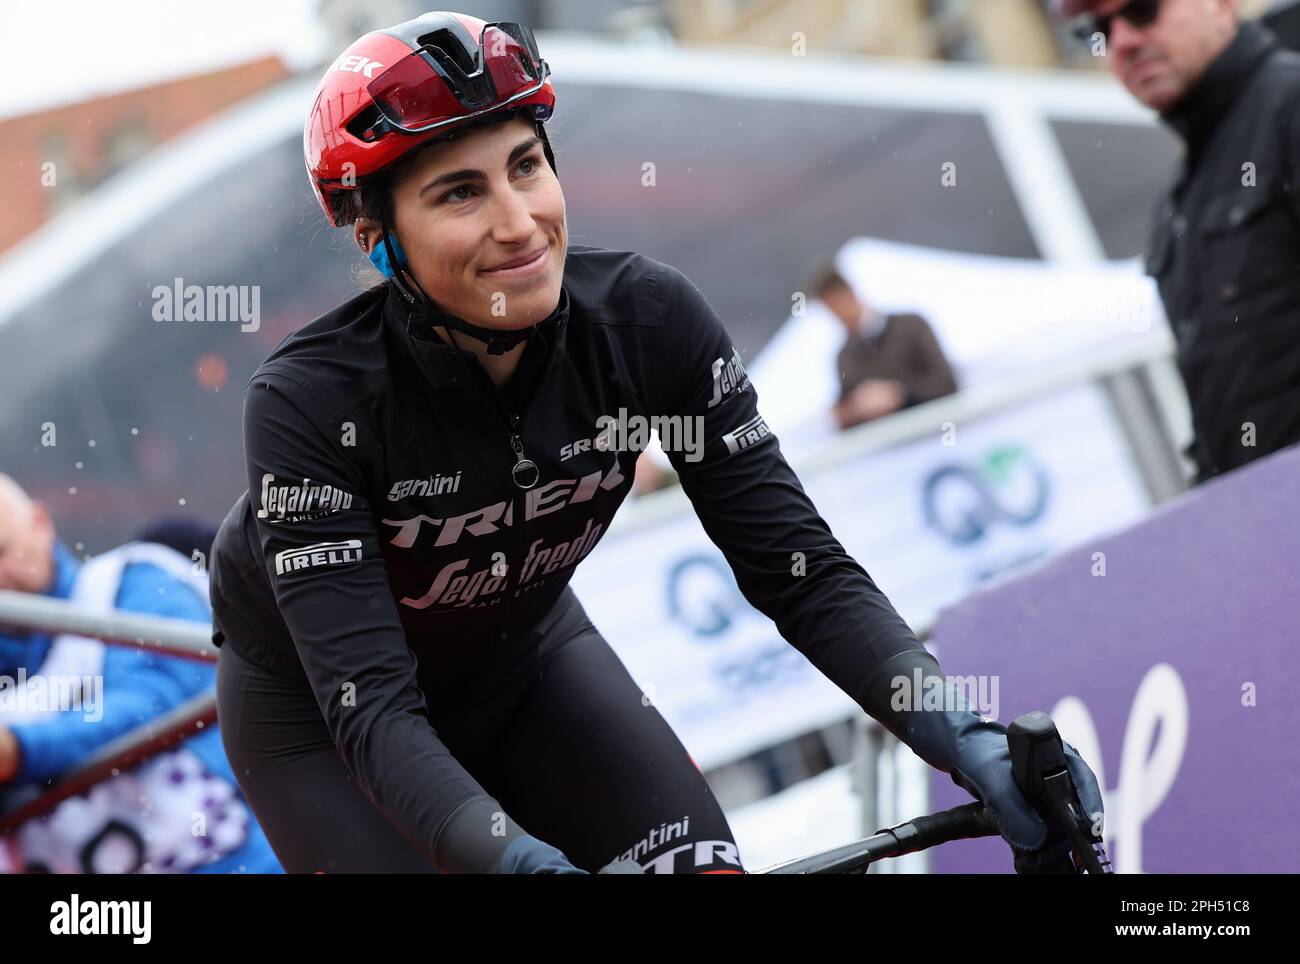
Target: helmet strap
[424,310]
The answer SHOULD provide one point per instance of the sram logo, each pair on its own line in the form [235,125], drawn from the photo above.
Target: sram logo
[601,443]
[321,554]
[357,64]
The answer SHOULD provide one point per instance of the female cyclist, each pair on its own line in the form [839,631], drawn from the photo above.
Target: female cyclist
[406,680]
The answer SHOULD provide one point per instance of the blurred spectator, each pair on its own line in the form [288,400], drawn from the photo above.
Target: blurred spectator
[184,535]
[888,362]
[180,811]
[1226,238]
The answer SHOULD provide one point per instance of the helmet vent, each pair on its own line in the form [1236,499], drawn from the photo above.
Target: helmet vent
[450,46]
[364,120]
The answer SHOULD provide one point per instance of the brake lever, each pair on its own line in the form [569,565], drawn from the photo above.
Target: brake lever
[1039,767]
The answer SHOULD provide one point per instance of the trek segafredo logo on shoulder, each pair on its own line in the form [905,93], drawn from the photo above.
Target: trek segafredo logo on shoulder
[300,501]
[321,554]
[728,376]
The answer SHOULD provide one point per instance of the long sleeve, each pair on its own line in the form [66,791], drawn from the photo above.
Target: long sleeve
[786,561]
[323,558]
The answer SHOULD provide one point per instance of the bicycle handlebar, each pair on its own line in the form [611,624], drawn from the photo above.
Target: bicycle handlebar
[959,823]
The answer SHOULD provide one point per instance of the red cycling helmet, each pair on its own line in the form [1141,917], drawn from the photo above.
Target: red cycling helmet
[403,87]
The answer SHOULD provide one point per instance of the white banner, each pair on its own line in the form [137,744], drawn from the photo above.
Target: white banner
[930,520]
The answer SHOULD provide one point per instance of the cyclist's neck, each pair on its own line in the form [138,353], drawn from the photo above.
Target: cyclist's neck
[499,367]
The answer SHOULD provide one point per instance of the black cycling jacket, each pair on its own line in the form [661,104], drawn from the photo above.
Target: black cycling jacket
[382,524]
[1225,251]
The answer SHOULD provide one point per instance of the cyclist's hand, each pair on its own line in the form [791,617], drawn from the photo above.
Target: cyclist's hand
[974,752]
[528,855]
[1054,856]
[622,867]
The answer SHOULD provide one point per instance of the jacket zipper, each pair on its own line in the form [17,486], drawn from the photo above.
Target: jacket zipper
[525,472]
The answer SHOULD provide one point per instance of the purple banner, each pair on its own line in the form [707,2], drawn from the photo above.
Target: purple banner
[1167,654]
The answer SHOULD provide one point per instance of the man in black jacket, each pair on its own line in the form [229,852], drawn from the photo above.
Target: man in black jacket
[1225,247]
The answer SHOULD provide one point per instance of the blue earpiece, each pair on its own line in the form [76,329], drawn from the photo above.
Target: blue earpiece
[379,257]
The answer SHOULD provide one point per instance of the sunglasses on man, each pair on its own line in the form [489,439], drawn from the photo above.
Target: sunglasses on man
[1138,13]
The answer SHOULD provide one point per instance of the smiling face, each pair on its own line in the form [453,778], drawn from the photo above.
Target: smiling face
[482,221]
[1160,63]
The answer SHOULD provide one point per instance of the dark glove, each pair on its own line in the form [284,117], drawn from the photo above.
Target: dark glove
[622,867]
[528,855]
[974,752]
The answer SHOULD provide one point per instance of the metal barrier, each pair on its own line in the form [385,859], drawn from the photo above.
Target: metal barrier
[175,637]
[127,751]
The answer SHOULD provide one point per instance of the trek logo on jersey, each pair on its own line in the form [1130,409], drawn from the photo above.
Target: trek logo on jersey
[746,434]
[728,377]
[321,554]
[540,501]
[430,485]
[690,857]
[357,64]
[300,501]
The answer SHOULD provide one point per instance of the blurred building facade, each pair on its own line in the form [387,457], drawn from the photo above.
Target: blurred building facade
[1021,33]
[57,155]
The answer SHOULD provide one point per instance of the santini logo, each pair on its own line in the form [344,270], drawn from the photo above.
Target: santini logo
[321,554]
[102,917]
[433,485]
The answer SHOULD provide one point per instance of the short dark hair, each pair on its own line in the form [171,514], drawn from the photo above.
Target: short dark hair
[828,279]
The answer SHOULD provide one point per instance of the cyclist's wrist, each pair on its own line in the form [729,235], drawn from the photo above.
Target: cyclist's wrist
[474,838]
[891,690]
[528,855]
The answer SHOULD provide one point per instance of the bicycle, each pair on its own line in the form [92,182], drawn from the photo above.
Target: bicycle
[1038,764]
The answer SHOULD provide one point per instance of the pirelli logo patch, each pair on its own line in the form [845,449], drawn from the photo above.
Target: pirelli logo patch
[746,434]
[321,554]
